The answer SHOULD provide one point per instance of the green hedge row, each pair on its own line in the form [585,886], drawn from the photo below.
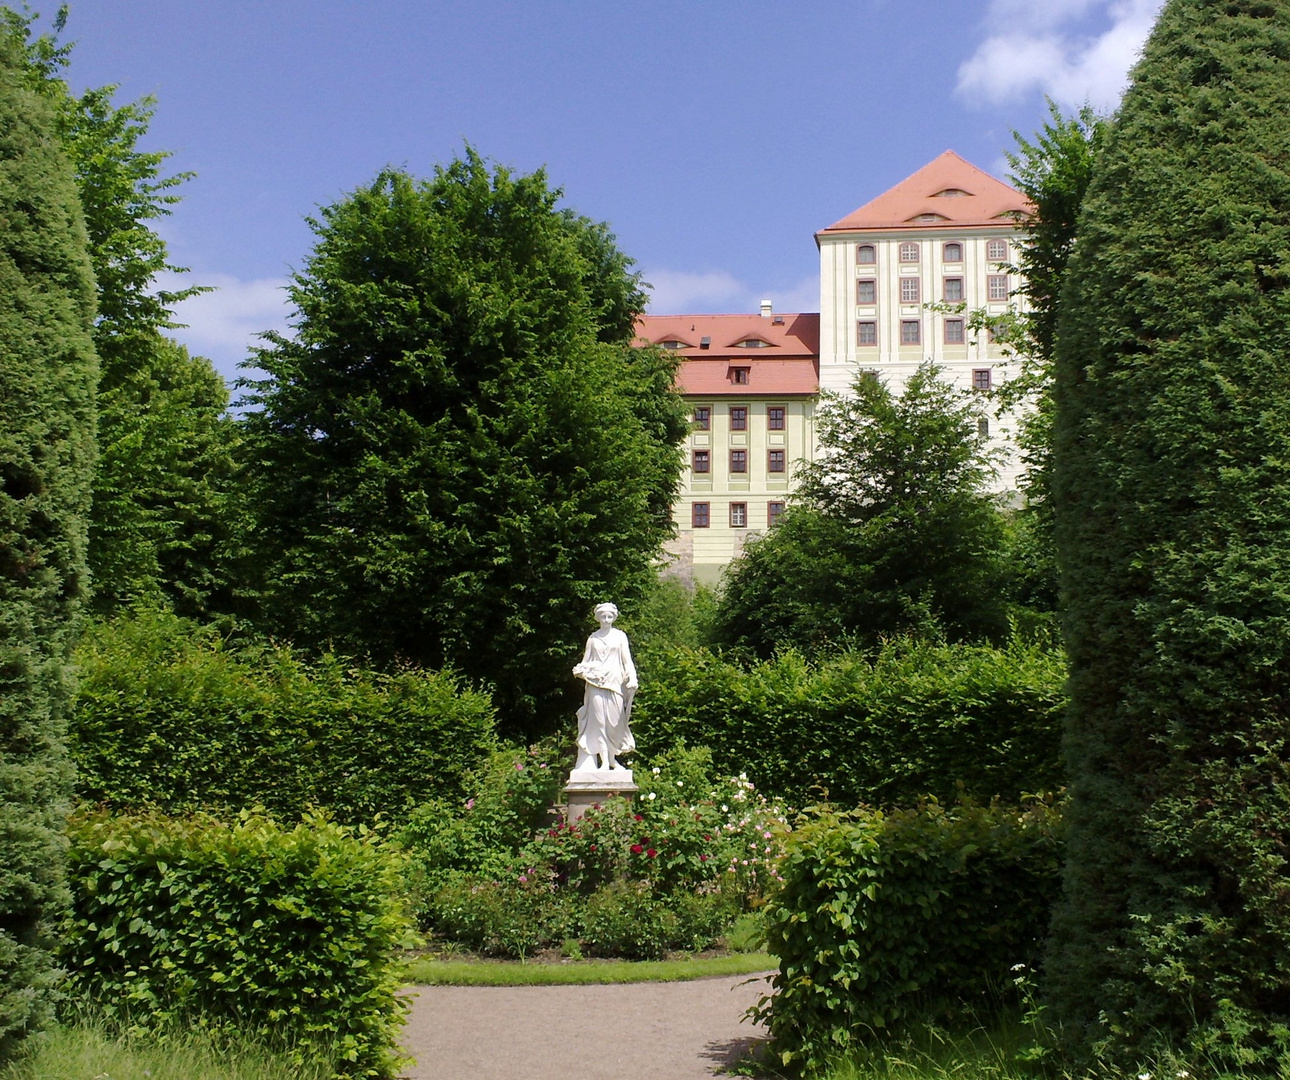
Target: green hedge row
[881,916]
[917,719]
[171,716]
[287,934]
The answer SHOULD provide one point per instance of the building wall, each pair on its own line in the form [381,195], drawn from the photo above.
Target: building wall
[843,310]
[701,553]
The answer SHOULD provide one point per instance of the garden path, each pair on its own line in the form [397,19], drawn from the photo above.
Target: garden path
[637,1031]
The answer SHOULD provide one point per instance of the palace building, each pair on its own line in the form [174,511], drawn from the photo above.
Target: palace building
[897,277]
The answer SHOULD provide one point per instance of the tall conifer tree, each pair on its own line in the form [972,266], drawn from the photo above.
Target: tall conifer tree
[48,373]
[1172,489]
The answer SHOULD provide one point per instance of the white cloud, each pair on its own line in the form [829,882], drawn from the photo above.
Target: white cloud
[225,323]
[1037,47]
[680,290]
[720,292]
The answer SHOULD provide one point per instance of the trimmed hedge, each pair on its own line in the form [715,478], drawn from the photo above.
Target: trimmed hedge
[287,934]
[884,915]
[917,719]
[171,716]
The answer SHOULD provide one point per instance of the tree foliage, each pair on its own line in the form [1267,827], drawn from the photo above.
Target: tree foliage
[892,531]
[162,489]
[47,377]
[1173,524]
[458,452]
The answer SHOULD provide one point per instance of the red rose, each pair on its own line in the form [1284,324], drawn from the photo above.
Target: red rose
[637,849]
[651,853]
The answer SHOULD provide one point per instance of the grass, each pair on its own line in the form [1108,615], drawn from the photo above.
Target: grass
[86,1051]
[430,972]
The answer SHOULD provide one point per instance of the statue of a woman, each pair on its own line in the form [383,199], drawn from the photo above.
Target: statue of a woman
[610,675]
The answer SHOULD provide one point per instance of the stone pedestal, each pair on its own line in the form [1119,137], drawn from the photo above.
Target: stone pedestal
[594,787]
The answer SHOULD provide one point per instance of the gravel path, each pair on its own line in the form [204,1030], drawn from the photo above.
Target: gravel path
[637,1031]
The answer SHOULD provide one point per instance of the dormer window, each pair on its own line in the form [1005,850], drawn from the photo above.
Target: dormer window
[739,375]
[672,343]
[951,193]
[753,343]
[928,217]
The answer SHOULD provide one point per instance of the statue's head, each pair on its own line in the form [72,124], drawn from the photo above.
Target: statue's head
[606,611]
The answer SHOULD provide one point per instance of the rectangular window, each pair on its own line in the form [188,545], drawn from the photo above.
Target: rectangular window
[909,290]
[774,460]
[953,331]
[909,332]
[909,253]
[996,287]
[702,462]
[699,515]
[739,515]
[865,255]
[774,511]
[996,250]
[738,461]
[981,378]
[775,417]
[983,428]
[867,333]
[738,418]
[953,253]
[866,291]
[739,375]
[702,417]
[953,289]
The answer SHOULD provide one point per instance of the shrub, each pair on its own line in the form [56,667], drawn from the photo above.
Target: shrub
[688,855]
[880,914]
[286,934]
[173,716]
[916,719]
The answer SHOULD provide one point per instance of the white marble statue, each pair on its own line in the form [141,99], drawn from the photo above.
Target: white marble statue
[610,676]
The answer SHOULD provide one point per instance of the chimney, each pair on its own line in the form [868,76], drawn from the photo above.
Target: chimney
[766,309]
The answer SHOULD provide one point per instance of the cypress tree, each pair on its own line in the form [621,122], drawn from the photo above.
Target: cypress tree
[1172,491]
[47,380]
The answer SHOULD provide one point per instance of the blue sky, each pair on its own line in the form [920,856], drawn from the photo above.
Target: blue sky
[715,136]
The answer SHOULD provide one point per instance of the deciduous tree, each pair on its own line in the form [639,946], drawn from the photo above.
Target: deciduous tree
[892,531]
[458,453]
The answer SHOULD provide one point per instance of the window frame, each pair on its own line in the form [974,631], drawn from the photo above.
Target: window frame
[773,455]
[945,251]
[704,422]
[700,515]
[703,466]
[983,379]
[917,325]
[945,289]
[776,423]
[738,460]
[873,291]
[738,417]
[740,376]
[909,252]
[996,288]
[774,511]
[961,339]
[910,284]
[860,343]
[872,249]
[742,509]
[991,249]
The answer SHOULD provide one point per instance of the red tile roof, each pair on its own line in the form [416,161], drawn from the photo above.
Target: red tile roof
[788,364]
[954,190]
